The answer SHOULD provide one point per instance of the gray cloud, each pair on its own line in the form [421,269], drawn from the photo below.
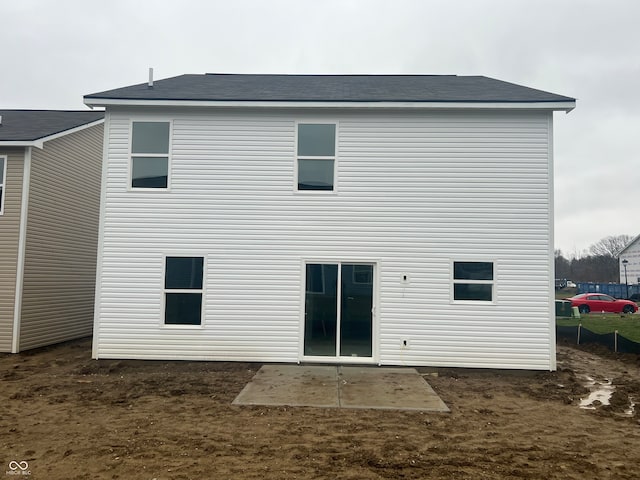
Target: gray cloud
[55,52]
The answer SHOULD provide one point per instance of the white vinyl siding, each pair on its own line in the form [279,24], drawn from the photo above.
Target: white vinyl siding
[9,234]
[632,255]
[417,191]
[61,239]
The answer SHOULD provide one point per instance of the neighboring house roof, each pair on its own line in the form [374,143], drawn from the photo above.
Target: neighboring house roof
[32,127]
[632,242]
[443,89]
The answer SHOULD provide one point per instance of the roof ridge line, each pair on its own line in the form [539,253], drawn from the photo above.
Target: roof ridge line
[330,74]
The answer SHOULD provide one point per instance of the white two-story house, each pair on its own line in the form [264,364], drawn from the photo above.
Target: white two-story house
[382,219]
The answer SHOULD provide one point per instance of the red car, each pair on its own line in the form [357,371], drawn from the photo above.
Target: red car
[598,302]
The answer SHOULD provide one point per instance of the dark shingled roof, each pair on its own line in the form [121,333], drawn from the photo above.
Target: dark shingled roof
[331,88]
[30,125]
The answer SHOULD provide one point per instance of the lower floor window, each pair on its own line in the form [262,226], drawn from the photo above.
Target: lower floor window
[473,281]
[183,290]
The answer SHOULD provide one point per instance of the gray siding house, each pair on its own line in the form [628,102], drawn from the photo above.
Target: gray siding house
[50,163]
[379,219]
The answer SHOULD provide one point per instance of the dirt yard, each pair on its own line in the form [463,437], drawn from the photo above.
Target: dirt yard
[70,417]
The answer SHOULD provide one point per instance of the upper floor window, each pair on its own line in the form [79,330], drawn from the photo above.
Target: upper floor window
[473,281]
[316,156]
[3,175]
[150,155]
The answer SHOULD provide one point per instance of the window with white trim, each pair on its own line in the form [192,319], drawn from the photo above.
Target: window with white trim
[183,290]
[3,176]
[316,156]
[473,281]
[150,155]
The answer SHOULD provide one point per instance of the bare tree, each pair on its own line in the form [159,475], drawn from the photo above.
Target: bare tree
[597,264]
[562,265]
[610,246]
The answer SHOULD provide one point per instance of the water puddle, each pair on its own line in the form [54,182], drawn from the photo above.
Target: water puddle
[600,392]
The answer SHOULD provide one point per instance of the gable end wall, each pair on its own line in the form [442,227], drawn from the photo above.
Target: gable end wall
[62,233]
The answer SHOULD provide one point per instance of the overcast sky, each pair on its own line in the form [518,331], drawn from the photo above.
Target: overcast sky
[54,52]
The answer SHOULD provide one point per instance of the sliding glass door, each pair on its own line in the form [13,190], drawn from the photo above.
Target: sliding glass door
[338,310]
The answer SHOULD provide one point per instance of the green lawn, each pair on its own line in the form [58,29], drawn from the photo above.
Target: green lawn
[627,325]
[566,293]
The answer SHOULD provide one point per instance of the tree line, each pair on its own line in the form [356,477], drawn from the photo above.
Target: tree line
[599,263]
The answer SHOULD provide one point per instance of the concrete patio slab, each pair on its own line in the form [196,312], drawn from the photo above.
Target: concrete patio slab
[387,388]
[295,385]
[340,386]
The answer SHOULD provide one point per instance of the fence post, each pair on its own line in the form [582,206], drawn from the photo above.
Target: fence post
[579,327]
[615,341]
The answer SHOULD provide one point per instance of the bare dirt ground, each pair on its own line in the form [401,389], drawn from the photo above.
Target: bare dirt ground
[70,417]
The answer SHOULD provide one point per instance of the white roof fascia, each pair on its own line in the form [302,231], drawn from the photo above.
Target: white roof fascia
[70,131]
[21,143]
[105,102]
[39,143]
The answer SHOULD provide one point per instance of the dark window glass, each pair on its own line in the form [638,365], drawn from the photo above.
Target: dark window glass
[183,308]
[184,273]
[473,270]
[321,309]
[363,274]
[473,291]
[315,278]
[315,174]
[316,140]
[150,137]
[150,172]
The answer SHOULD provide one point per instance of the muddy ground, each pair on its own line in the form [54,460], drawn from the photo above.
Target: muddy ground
[70,417]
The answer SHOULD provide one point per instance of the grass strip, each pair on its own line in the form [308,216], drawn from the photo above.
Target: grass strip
[627,325]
